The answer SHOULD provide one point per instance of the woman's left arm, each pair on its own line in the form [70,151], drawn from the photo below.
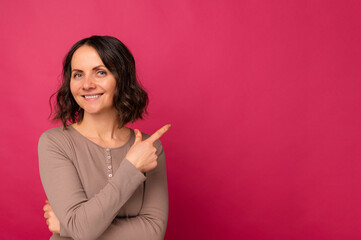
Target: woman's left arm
[151,223]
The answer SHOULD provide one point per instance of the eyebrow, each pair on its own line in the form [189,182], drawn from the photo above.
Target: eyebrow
[78,70]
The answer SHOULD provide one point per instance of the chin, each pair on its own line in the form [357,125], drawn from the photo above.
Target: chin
[92,111]
[95,111]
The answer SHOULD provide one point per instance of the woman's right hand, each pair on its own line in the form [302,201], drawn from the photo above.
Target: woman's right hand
[142,154]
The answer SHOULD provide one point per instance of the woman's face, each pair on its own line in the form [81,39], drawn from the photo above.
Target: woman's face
[91,83]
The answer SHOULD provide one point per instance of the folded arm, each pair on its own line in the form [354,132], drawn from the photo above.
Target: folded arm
[151,223]
[82,218]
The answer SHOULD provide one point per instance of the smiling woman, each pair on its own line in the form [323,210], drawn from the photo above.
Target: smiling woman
[89,61]
[103,180]
[92,86]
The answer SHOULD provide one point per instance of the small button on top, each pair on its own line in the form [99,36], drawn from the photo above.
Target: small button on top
[107,149]
[109,167]
[109,157]
[110,175]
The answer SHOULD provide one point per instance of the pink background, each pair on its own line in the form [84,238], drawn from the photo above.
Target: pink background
[263,96]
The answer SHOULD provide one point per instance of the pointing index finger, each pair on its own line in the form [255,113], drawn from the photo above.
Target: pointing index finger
[158,133]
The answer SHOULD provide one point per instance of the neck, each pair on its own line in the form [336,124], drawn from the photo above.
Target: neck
[102,126]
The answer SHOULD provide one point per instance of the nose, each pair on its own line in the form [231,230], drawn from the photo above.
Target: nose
[88,83]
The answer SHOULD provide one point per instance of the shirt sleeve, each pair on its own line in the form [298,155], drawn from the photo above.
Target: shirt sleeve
[151,223]
[81,217]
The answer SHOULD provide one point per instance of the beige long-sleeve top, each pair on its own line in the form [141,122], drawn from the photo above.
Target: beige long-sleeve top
[96,193]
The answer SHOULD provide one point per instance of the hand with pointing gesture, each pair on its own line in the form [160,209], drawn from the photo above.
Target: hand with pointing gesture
[142,154]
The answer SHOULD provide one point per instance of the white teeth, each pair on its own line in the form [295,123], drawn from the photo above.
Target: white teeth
[93,96]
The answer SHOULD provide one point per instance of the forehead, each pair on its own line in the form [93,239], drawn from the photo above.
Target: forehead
[85,57]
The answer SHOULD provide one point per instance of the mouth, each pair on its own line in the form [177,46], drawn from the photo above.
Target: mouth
[92,96]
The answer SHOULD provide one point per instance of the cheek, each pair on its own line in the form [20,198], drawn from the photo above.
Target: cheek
[114,86]
[113,89]
[113,93]
[110,86]
[73,88]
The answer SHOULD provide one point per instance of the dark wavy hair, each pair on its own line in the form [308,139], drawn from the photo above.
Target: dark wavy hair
[130,99]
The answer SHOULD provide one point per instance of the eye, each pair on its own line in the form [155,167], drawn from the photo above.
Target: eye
[76,75]
[102,73]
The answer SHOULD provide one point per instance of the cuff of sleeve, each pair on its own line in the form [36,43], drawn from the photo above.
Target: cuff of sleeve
[132,170]
[127,174]
[63,232]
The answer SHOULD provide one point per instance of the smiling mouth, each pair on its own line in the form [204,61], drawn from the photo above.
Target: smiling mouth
[92,96]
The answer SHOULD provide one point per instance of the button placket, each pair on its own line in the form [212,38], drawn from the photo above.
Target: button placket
[108,163]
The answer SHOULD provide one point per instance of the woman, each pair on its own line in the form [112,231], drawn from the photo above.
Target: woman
[102,179]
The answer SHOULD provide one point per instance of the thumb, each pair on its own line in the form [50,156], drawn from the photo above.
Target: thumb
[138,136]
